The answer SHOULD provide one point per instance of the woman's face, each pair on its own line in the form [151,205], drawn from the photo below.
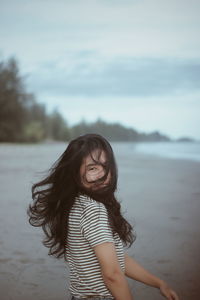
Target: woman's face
[91,171]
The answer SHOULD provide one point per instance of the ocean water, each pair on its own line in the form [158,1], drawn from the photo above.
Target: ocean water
[188,151]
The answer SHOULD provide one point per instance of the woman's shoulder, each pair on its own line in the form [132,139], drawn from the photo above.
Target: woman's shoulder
[90,203]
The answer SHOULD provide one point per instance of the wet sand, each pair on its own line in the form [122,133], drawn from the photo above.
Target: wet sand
[160,197]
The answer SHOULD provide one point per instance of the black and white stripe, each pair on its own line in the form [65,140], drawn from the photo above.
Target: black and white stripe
[88,226]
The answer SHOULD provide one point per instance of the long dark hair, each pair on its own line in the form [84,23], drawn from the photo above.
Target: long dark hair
[54,196]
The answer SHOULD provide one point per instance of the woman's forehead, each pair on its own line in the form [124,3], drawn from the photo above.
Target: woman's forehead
[96,155]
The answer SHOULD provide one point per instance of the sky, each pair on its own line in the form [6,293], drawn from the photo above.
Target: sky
[136,62]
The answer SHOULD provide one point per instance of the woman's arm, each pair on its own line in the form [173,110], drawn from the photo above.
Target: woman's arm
[135,271]
[112,274]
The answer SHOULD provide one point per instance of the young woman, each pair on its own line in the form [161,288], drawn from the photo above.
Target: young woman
[81,218]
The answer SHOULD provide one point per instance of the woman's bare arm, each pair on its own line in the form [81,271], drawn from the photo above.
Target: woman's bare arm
[113,276]
[135,271]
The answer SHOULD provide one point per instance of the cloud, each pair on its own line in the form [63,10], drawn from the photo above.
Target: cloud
[33,30]
[142,54]
[86,75]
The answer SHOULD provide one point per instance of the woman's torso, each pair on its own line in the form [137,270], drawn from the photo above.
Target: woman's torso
[88,226]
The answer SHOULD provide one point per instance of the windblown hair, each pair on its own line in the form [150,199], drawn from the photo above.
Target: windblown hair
[54,196]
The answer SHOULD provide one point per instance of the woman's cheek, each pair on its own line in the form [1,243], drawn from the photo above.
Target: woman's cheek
[91,177]
[94,176]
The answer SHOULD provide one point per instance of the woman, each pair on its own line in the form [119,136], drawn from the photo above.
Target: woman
[78,211]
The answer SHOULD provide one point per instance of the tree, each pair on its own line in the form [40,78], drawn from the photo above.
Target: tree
[113,132]
[12,99]
[57,129]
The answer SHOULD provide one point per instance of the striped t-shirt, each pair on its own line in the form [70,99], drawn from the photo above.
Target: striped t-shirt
[88,226]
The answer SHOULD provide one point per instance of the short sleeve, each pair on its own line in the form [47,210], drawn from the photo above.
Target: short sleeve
[94,224]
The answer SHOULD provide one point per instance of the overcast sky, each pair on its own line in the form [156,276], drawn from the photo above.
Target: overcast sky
[136,62]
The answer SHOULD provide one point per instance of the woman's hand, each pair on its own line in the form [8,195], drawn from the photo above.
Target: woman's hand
[167,292]
[135,271]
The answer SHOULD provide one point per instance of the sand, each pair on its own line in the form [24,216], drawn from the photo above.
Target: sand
[160,197]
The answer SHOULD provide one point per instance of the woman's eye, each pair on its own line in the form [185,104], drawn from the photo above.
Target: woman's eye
[95,169]
[92,169]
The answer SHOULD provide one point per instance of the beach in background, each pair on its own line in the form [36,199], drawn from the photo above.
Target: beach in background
[159,194]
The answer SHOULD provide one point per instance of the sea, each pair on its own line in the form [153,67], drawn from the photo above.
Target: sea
[173,150]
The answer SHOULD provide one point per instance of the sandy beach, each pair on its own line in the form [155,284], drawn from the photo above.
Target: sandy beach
[160,197]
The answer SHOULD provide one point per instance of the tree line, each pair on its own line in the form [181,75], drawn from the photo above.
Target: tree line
[22,118]
[25,120]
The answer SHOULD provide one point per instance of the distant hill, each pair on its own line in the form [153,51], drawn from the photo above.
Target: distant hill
[185,139]
[116,132]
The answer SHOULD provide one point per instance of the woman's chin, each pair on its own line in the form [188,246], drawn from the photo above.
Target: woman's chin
[95,188]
